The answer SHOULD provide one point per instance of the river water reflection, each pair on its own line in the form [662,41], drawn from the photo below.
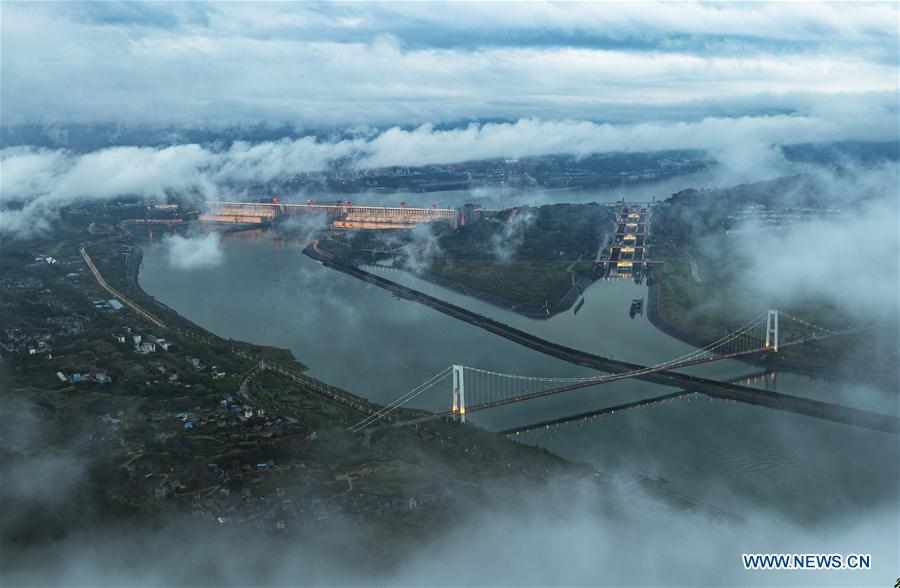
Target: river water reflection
[362,338]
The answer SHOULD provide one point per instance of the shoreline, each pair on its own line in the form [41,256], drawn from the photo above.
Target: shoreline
[654,316]
[829,373]
[564,304]
[181,326]
[713,388]
[776,400]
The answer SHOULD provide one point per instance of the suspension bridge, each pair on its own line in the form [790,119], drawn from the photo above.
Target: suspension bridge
[763,376]
[664,376]
[473,389]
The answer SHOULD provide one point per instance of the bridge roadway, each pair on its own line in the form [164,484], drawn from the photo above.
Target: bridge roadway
[598,412]
[714,388]
[606,410]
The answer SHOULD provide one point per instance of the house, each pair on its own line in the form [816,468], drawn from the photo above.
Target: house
[119,338]
[115,304]
[137,340]
[62,377]
[102,378]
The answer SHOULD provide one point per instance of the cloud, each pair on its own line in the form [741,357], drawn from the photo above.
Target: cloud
[189,253]
[332,66]
[36,183]
[509,238]
[851,260]
[43,480]
[41,181]
[368,86]
[421,248]
[815,21]
[566,534]
[835,242]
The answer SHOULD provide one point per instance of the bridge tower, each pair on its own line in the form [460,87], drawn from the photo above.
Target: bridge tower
[459,392]
[772,329]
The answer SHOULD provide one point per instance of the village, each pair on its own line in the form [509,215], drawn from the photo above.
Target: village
[187,428]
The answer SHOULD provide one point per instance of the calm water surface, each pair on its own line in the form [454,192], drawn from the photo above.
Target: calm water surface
[361,338]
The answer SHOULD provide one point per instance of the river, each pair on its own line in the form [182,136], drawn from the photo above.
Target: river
[361,338]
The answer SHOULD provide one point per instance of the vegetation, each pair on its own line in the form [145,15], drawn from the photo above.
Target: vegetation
[528,257]
[703,289]
[530,283]
[161,436]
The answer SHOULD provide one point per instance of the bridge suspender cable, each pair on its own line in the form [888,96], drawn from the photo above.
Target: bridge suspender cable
[487,389]
[490,388]
[756,321]
[397,403]
[530,387]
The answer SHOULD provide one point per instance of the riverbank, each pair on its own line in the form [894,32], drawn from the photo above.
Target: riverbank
[534,261]
[790,403]
[489,446]
[211,431]
[367,340]
[771,361]
[580,284]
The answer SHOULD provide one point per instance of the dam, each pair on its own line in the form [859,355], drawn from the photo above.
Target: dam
[341,215]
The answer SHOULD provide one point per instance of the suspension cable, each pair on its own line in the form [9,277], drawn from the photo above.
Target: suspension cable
[656,367]
[396,403]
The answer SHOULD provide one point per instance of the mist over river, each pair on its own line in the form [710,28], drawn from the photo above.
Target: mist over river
[359,337]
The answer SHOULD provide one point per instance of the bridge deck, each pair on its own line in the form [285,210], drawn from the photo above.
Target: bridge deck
[786,402]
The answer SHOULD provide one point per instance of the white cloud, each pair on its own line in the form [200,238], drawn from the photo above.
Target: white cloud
[399,64]
[41,181]
[781,21]
[735,80]
[505,243]
[851,261]
[189,253]
[829,241]
[569,532]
